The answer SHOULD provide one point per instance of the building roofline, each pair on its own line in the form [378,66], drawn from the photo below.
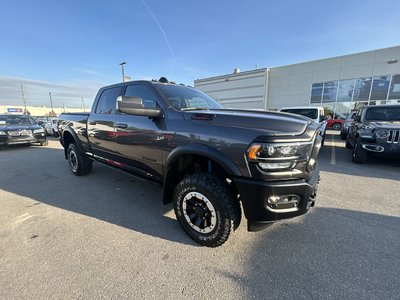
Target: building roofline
[200,80]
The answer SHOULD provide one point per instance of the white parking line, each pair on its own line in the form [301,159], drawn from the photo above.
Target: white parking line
[333,154]
[22,218]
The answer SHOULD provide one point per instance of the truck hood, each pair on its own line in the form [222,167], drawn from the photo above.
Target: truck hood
[271,123]
[384,124]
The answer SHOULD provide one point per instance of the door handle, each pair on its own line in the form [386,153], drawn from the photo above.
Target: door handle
[122,125]
[92,123]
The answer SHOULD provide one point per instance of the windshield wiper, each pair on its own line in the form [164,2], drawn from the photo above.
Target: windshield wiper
[195,108]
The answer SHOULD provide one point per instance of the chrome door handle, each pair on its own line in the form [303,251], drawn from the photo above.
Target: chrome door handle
[122,125]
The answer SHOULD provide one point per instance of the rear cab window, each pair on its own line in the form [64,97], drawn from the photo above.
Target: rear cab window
[108,100]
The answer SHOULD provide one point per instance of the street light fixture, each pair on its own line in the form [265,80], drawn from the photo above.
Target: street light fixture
[51,103]
[123,73]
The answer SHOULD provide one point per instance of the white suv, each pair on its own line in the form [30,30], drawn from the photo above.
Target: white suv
[51,127]
[315,113]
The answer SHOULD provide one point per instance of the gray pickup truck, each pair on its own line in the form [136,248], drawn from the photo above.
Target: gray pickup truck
[210,161]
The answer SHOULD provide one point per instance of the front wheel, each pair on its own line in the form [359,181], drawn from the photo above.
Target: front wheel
[360,155]
[79,163]
[206,209]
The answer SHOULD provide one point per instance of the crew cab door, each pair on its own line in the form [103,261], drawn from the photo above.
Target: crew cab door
[101,124]
[139,139]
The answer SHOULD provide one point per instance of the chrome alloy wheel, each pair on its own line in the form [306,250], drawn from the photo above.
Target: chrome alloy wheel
[199,212]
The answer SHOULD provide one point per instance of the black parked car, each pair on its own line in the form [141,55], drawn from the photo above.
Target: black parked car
[20,129]
[375,129]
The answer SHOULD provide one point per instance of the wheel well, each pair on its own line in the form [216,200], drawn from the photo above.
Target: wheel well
[67,140]
[187,164]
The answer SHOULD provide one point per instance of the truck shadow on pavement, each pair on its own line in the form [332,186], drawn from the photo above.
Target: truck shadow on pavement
[328,253]
[42,174]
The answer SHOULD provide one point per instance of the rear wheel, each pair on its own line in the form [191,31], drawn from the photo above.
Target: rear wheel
[54,133]
[348,145]
[205,208]
[79,163]
[360,155]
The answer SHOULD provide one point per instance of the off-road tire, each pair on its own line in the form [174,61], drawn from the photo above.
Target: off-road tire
[360,155]
[226,206]
[55,133]
[79,163]
[348,145]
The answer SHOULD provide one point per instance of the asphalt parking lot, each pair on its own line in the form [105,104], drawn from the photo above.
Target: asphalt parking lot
[107,235]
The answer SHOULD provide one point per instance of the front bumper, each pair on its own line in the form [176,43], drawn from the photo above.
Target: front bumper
[384,149]
[26,139]
[260,213]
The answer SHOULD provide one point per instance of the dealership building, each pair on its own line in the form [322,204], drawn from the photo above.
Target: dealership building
[339,84]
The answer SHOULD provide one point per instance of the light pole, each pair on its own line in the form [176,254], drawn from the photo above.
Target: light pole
[83,104]
[123,73]
[23,98]
[51,103]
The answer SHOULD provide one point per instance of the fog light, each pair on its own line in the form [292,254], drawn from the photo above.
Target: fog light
[275,165]
[273,199]
[283,203]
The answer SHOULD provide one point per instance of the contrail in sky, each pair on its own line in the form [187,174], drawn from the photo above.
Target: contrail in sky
[164,35]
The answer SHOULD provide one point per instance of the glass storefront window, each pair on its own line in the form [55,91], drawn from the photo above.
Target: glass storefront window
[394,92]
[345,91]
[330,90]
[316,92]
[362,89]
[380,87]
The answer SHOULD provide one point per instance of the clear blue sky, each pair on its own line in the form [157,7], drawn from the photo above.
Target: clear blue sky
[80,43]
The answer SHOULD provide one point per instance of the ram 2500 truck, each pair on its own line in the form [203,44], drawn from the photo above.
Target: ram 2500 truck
[210,161]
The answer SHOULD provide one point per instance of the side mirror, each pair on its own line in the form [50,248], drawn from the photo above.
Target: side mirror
[40,123]
[324,118]
[357,119]
[134,106]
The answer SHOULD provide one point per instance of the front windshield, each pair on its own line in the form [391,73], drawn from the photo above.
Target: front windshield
[311,113]
[383,114]
[16,120]
[185,98]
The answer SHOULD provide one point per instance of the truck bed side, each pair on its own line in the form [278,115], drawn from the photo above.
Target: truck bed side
[74,126]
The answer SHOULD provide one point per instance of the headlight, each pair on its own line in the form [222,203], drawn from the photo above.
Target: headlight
[280,155]
[382,134]
[40,130]
[3,132]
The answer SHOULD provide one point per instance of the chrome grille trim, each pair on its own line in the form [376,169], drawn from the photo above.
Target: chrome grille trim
[394,137]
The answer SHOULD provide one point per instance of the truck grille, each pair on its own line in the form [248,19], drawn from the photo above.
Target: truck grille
[394,136]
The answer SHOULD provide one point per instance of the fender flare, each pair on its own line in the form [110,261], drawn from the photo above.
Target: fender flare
[74,136]
[196,149]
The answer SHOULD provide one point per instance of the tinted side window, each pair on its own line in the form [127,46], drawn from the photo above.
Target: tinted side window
[144,92]
[107,101]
